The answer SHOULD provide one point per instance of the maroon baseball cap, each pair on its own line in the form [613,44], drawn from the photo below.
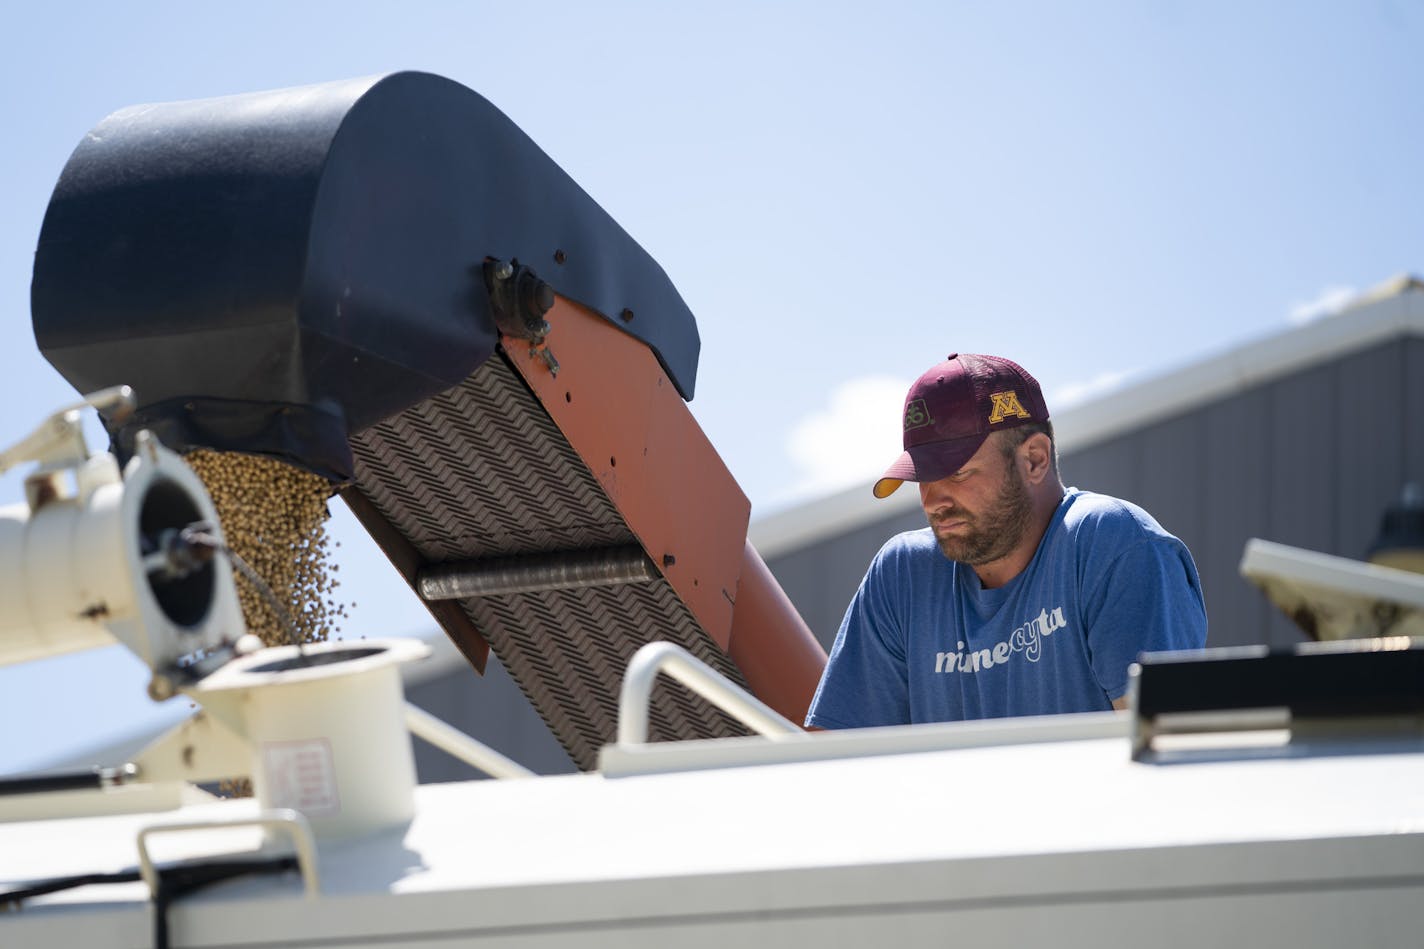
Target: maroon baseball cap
[952,408]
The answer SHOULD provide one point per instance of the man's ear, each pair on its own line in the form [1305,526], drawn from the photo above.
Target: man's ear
[1035,457]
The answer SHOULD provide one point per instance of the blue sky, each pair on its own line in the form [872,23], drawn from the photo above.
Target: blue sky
[843,194]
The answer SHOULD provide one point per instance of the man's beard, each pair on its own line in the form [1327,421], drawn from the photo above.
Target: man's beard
[992,534]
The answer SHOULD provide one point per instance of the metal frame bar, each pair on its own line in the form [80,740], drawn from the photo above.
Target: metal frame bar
[458,745]
[635,697]
[282,818]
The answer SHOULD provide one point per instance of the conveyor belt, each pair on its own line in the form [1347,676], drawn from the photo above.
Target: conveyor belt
[481,472]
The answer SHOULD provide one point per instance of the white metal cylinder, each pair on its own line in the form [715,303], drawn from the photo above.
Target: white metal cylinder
[329,738]
[63,573]
[72,573]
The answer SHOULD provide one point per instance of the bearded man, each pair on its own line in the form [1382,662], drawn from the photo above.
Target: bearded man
[1022,597]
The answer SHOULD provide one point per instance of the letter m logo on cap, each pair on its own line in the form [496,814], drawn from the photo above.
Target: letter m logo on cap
[1003,404]
[917,414]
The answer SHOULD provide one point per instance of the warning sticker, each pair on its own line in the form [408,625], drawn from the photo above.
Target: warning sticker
[302,775]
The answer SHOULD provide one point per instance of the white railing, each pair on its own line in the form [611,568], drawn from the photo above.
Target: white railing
[458,745]
[635,698]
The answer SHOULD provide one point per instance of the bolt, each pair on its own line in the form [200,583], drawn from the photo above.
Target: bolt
[627,315]
[160,688]
[540,300]
[503,270]
[560,257]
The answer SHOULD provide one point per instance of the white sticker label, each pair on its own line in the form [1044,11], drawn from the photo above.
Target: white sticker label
[302,775]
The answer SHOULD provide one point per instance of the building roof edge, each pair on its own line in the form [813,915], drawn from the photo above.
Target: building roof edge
[1394,309]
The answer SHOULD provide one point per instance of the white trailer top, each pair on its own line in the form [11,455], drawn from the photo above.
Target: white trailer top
[1019,832]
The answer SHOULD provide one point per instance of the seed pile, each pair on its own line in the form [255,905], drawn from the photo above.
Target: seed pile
[274,517]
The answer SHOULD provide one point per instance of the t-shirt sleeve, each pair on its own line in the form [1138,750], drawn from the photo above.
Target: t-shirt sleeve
[1148,599]
[865,680]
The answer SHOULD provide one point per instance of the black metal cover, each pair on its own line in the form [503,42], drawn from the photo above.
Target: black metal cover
[1338,679]
[277,271]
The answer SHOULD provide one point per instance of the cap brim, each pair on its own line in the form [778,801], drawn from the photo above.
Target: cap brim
[886,487]
[929,462]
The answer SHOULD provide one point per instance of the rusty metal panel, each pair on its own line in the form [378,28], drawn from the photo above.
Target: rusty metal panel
[617,411]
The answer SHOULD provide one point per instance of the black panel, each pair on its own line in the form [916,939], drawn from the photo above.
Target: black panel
[1314,680]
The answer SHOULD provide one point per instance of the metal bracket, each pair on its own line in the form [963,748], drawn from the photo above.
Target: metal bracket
[291,821]
[519,300]
[1251,701]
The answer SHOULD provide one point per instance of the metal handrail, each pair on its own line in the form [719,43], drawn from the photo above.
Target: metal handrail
[286,819]
[635,698]
[457,744]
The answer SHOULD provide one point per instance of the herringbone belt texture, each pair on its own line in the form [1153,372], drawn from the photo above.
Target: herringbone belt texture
[481,471]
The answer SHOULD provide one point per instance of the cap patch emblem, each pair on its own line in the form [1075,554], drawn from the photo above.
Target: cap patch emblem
[1004,405]
[917,415]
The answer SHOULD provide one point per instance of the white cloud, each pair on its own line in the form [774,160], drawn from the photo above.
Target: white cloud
[1327,302]
[1075,393]
[850,441]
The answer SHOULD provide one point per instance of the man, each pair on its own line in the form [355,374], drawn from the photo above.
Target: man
[1021,597]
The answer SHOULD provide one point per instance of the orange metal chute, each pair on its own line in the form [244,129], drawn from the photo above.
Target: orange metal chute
[618,410]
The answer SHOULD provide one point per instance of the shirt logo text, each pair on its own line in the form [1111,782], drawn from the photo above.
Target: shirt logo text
[1027,639]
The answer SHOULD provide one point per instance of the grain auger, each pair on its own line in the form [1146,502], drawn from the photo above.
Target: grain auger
[384,282]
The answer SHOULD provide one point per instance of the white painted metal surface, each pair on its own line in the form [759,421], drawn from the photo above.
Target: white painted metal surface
[1053,843]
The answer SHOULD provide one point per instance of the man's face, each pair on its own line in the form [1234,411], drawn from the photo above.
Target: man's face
[979,514]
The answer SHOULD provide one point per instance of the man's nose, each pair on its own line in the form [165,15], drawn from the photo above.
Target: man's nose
[936,495]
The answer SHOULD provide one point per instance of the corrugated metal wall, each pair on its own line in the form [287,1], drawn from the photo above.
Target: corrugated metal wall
[1310,459]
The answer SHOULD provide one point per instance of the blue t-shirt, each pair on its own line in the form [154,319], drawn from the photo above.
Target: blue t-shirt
[923,641]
